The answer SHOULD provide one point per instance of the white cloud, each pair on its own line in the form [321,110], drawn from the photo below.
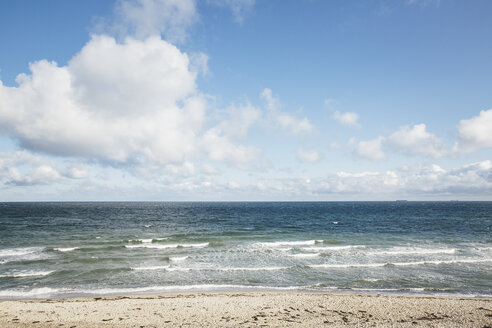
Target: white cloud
[23,168]
[130,78]
[239,8]
[475,133]
[199,63]
[416,141]
[334,145]
[407,140]
[282,119]
[220,148]
[272,102]
[134,102]
[372,149]
[144,18]
[307,156]
[423,3]
[330,103]
[349,118]
[294,124]
[470,180]
[238,120]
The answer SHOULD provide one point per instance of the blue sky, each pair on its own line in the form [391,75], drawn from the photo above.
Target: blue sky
[245,100]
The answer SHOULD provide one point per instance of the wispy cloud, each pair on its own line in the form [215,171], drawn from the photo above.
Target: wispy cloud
[307,156]
[423,3]
[285,120]
[239,8]
[143,18]
[348,118]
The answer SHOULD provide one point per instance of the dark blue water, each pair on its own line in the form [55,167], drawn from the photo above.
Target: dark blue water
[64,249]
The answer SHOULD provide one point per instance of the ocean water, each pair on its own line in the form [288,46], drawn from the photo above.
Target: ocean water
[77,249]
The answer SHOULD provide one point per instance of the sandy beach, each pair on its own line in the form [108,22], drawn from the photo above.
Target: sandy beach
[271,309]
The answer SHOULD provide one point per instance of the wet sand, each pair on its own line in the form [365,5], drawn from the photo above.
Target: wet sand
[257,309]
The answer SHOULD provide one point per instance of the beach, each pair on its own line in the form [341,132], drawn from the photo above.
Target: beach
[251,309]
[246,264]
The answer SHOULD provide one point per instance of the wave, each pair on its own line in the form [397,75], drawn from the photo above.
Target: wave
[164,246]
[46,292]
[65,249]
[151,268]
[442,262]
[258,250]
[354,265]
[171,268]
[251,269]
[178,258]
[26,274]
[289,243]
[305,255]
[19,251]
[368,265]
[312,266]
[422,251]
[333,248]
[147,240]
[33,293]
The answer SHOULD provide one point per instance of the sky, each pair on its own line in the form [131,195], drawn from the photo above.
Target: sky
[245,100]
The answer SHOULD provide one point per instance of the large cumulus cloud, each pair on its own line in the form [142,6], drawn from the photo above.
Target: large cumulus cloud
[130,102]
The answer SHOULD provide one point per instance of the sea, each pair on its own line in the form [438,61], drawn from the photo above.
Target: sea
[59,249]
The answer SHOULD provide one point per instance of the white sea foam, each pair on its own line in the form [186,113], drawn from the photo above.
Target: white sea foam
[164,246]
[170,268]
[21,274]
[418,251]
[442,262]
[50,292]
[178,258]
[151,268]
[147,240]
[33,293]
[65,249]
[289,243]
[353,265]
[332,248]
[181,269]
[305,255]
[251,269]
[364,265]
[18,251]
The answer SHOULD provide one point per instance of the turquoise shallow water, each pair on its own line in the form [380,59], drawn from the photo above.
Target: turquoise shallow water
[72,249]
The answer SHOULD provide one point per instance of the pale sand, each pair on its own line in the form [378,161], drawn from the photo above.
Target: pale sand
[248,310]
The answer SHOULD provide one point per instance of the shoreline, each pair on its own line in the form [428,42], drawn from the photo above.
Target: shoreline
[232,289]
[248,309]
